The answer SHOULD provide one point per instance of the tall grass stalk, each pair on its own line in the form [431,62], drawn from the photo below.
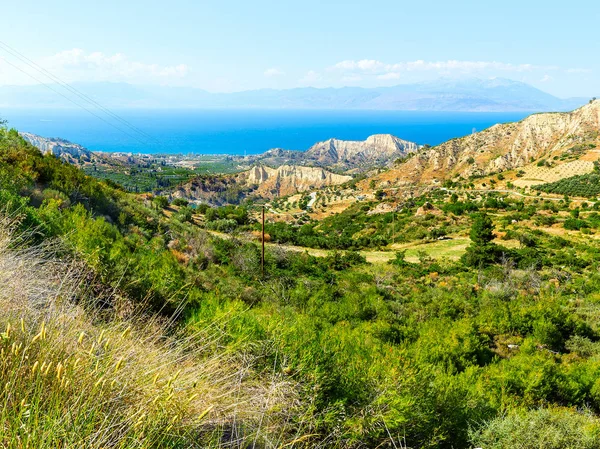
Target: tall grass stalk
[73,375]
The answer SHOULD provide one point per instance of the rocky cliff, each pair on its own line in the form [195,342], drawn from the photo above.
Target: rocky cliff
[263,181]
[59,147]
[289,179]
[501,147]
[379,150]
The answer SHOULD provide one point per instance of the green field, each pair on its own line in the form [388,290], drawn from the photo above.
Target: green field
[158,176]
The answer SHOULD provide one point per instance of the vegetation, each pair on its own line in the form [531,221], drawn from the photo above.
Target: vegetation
[482,251]
[581,185]
[155,174]
[158,322]
[118,381]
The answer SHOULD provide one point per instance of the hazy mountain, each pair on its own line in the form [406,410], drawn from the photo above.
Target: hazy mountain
[441,95]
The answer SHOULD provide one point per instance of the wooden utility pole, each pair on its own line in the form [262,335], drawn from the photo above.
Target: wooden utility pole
[262,259]
[393,225]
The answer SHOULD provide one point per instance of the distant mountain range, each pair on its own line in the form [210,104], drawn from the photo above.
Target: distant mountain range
[490,95]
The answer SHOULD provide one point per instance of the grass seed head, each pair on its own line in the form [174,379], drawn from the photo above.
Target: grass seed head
[119,364]
[59,370]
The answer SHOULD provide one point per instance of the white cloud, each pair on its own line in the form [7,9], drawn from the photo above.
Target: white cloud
[352,79]
[389,76]
[386,71]
[366,65]
[310,77]
[578,70]
[546,78]
[80,65]
[273,71]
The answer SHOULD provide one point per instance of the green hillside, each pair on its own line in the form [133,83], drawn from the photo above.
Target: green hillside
[126,323]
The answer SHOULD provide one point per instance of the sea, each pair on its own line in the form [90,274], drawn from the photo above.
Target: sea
[239,132]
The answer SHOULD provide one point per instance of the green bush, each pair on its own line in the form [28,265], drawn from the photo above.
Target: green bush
[548,428]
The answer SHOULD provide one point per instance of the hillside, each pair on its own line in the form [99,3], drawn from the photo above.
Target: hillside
[378,150]
[259,181]
[445,320]
[61,148]
[281,172]
[558,138]
[289,179]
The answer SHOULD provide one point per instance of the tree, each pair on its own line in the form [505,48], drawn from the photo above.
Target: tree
[161,202]
[180,202]
[482,251]
[185,214]
[482,230]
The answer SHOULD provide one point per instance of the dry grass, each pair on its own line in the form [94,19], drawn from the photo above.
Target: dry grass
[73,376]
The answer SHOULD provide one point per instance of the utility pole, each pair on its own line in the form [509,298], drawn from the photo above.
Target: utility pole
[393,225]
[262,259]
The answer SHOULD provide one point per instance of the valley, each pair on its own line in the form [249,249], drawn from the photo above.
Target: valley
[299,225]
[439,293]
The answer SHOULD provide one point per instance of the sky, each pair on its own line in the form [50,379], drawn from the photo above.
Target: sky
[235,45]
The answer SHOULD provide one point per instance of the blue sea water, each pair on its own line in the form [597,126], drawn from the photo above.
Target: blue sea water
[244,131]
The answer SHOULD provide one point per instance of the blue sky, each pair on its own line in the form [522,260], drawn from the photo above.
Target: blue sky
[232,45]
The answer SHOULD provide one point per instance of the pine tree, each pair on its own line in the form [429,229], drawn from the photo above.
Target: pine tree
[482,230]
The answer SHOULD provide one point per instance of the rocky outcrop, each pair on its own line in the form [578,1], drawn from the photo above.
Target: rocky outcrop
[379,149]
[266,182]
[499,148]
[289,179]
[58,147]
[427,209]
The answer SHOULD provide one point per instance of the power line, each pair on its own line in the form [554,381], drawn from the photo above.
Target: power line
[83,96]
[72,101]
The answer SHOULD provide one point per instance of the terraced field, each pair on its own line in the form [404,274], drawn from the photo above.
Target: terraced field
[535,175]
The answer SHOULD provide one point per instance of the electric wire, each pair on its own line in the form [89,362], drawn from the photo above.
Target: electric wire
[7,48]
[74,102]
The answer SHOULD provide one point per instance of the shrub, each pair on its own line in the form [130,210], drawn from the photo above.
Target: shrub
[180,202]
[161,202]
[222,225]
[185,214]
[575,224]
[75,375]
[550,428]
